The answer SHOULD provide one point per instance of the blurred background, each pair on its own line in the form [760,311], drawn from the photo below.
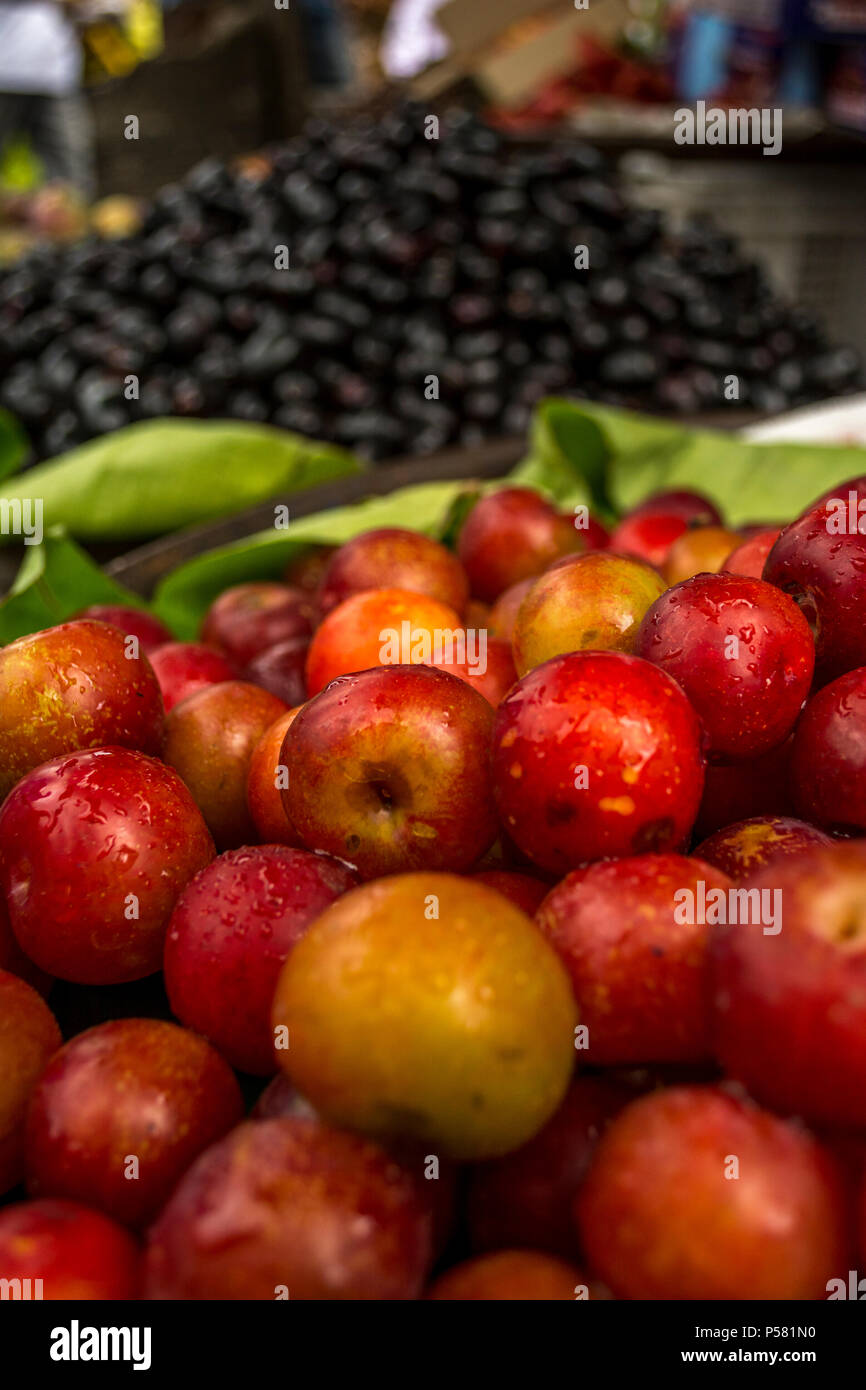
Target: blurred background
[103,103]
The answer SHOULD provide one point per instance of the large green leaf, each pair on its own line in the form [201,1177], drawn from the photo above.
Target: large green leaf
[184,596]
[578,453]
[641,455]
[55,580]
[159,475]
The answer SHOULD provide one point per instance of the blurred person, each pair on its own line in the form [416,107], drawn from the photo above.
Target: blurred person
[41,97]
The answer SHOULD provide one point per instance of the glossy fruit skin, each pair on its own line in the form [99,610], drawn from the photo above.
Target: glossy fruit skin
[390,770]
[639,974]
[524,1200]
[647,536]
[264,798]
[748,845]
[660,1219]
[790,1008]
[840,491]
[280,1099]
[828,757]
[73,687]
[247,618]
[13,959]
[498,677]
[824,572]
[184,667]
[702,550]
[29,1036]
[77,1253]
[397,1029]
[742,652]
[281,669]
[291,1204]
[740,791]
[354,635]
[523,890]
[135,1086]
[151,633]
[750,557]
[407,559]
[592,602]
[511,1275]
[503,614]
[210,738]
[650,529]
[229,935]
[630,726]
[78,836]
[509,535]
[693,507]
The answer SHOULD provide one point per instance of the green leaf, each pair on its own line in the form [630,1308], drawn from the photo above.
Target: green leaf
[568,458]
[579,452]
[182,599]
[159,475]
[637,455]
[55,581]
[14,446]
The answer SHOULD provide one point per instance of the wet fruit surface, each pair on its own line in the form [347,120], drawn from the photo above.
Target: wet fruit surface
[74,686]
[750,557]
[76,1253]
[748,845]
[409,560]
[249,618]
[632,934]
[790,993]
[741,651]
[595,601]
[649,530]
[828,756]
[184,667]
[264,786]
[661,1215]
[28,1037]
[530,988]
[95,848]
[512,535]
[378,627]
[426,1006]
[699,550]
[822,567]
[120,1113]
[595,754]
[393,793]
[229,936]
[289,1208]
[210,739]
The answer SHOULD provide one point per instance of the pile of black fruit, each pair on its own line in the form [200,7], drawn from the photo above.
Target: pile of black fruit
[433,296]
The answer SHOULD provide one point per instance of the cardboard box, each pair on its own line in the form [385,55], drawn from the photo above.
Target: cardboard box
[512,48]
